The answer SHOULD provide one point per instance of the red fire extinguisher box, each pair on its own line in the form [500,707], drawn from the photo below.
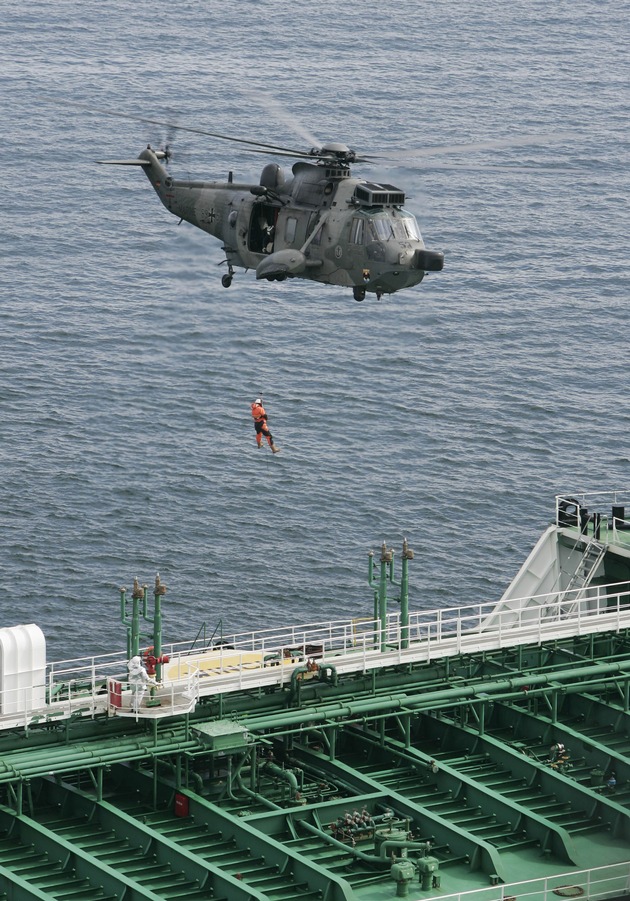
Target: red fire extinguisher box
[181,805]
[115,693]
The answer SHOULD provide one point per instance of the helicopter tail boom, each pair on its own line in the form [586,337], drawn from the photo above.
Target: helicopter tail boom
[158,154]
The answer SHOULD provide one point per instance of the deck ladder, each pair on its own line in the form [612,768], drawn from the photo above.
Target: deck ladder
[585,570]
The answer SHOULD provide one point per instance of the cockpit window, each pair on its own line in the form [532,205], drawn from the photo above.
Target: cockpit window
[382,226]
[411,227]
[400,232]
[357,230]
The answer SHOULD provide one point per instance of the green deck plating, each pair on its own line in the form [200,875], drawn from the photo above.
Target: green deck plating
[468,772]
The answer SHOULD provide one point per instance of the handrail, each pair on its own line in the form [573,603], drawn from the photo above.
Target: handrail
[595,513]
[80,685]
[596,884]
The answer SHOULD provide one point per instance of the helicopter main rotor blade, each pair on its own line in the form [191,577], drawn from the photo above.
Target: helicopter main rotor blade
[272,106]
[476,146]
[256,146]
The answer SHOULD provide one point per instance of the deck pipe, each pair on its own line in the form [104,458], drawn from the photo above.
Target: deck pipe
[282,774]
[323,668]
[407,555]
[132,623]
[285,775]
[158,592]
[381,860]
[256,796]
[177,775]
[507,689]
[334,676]
[380,592]
[67,759]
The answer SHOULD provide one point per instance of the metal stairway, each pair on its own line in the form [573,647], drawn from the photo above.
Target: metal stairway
[585,570]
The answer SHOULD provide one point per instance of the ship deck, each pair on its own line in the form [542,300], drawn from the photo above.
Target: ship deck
[478,753]
[241,796]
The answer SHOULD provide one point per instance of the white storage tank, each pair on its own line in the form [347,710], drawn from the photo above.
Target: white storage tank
[22,669]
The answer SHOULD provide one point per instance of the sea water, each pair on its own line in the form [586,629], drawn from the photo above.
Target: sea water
[449,414]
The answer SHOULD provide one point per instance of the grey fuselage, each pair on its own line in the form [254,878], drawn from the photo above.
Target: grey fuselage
[321,223]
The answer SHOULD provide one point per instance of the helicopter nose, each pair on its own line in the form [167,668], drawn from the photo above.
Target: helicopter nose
[429,260]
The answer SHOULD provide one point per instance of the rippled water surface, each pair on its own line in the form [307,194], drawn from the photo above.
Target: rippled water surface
[450,413]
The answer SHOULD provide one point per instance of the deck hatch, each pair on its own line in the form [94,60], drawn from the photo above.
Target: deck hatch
[222,735]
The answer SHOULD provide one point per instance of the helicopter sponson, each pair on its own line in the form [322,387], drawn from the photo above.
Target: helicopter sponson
[318,223]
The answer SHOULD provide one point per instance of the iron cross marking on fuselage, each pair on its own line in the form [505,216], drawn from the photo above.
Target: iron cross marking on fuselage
[210,215]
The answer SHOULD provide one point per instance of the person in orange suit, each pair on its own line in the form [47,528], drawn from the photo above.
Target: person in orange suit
[260,424]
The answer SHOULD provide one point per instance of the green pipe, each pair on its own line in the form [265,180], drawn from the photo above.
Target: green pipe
[135,618]
[159,591]
[361,718]
[380,594]
[334,677]
[253,770]
[145,602]
[393,844]
[284,775]
[386,559]
[381,860]
[407,555]
[87,761]
[514,686]
[294,690]
[90,749]
[132,623]
[332,745]
[123,617]
[256,796]
[83,757]
[375,619]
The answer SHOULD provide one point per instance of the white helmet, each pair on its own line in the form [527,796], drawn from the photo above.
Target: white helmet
[258,401]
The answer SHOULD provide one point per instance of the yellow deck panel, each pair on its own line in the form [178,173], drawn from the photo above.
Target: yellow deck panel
[215,662]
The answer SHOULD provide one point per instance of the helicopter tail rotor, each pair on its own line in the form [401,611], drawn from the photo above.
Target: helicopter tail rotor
[160,154]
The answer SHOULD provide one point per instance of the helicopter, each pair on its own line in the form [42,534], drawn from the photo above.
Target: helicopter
[318,222]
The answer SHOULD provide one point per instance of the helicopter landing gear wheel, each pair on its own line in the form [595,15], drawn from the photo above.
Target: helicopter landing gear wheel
[226,280]
[359,293]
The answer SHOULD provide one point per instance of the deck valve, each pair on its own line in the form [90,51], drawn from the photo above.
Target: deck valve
[402,872]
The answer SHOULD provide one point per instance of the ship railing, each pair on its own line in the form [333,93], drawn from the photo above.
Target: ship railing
[597,884]
[269,656]
[272,639]
[601,608]
[167,698]
[597,499]
[83,688]
[604,606]
[66,688]
[426,635]
[604,516]
[75,681]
